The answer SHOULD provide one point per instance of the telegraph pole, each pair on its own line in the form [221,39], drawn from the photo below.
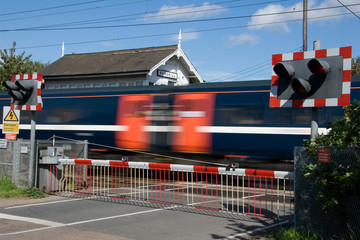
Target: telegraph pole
[314,111]
[305,8]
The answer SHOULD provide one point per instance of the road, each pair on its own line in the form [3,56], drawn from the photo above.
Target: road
[65,218]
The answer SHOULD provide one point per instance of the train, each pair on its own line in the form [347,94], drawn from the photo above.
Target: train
[223,119]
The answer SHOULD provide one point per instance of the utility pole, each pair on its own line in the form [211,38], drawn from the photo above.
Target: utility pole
[305,9]
[315,110]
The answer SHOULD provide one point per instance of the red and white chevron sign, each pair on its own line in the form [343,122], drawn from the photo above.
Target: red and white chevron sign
[34,76]
[343,100]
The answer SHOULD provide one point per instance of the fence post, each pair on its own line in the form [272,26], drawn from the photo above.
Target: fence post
[16,162]
[86,148]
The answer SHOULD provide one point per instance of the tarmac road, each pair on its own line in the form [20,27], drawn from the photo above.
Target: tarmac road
[60,218]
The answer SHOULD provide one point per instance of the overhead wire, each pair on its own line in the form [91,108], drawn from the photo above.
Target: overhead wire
[72,11]
[50,8]
[233,75]
[205,30]
[346,6]
[170,22]
[143,152]
[173,33]
[260,67]
[147,14]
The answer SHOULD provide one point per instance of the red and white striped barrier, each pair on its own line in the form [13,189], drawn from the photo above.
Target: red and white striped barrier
[180,168]
[259,193]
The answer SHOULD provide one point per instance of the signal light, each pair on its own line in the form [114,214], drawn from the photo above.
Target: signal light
[311,79]
[25,92]
[300,86]
[318,67]
[284,70]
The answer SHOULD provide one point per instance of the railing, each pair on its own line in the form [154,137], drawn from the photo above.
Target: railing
[259,193]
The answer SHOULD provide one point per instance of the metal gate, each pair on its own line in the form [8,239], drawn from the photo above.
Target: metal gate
[216,190]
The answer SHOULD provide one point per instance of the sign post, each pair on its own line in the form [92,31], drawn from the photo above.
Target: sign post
[25,92]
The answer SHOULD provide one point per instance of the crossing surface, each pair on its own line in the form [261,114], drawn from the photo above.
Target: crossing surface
[65,218]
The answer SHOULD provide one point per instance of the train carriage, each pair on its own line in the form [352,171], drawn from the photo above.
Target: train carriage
[220,119]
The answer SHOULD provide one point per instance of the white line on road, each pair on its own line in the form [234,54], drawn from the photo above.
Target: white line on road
[236,236]
[45,203]
[31,220]
[51,224]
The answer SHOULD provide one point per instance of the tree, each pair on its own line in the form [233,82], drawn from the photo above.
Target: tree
[344,132]
[336,182]
[355,66]
[11,64]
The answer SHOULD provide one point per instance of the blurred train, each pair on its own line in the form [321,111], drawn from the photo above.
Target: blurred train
[230,119]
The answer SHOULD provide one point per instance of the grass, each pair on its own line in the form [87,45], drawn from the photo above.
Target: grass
[9,190]
[292,234]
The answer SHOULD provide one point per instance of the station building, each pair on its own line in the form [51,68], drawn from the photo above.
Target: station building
[165,65]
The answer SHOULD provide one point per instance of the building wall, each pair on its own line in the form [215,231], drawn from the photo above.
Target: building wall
[172,73]
[98,82]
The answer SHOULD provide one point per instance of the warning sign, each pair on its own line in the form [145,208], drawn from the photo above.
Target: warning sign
[10,127]
[324,155]
[11,137]
[10,120]
[11,116]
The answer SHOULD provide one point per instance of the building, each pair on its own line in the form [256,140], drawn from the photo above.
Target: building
[166,65]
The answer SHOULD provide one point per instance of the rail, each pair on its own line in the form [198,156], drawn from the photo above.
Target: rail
[249,192]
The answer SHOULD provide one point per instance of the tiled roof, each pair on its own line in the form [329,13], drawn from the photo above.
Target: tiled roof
[122,61]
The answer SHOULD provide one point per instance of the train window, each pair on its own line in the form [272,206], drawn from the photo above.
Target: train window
[64,115]
[299,116]
[278,116]
[239,115]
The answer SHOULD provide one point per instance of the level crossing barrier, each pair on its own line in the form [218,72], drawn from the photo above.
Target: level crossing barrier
[259,193]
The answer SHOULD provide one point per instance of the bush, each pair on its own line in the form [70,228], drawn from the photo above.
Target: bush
[344,133]
[9,190]
[337,181]
[33,193]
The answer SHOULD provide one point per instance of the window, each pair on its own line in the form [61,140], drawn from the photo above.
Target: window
[239,115]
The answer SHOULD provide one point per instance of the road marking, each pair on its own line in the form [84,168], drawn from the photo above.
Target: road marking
[45,203]
[255,231]
[112,217]
[31,220]
[254,196]
[51,224]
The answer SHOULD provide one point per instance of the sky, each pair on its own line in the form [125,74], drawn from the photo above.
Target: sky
[226,40]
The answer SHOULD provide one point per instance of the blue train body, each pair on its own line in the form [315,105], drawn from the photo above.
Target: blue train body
[223,119]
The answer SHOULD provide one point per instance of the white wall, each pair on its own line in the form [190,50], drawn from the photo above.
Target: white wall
[173,66]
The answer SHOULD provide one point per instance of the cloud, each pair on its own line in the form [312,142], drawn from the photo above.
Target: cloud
[243,39]
[186,35]
[108,44]
[185,12]
[265,19]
